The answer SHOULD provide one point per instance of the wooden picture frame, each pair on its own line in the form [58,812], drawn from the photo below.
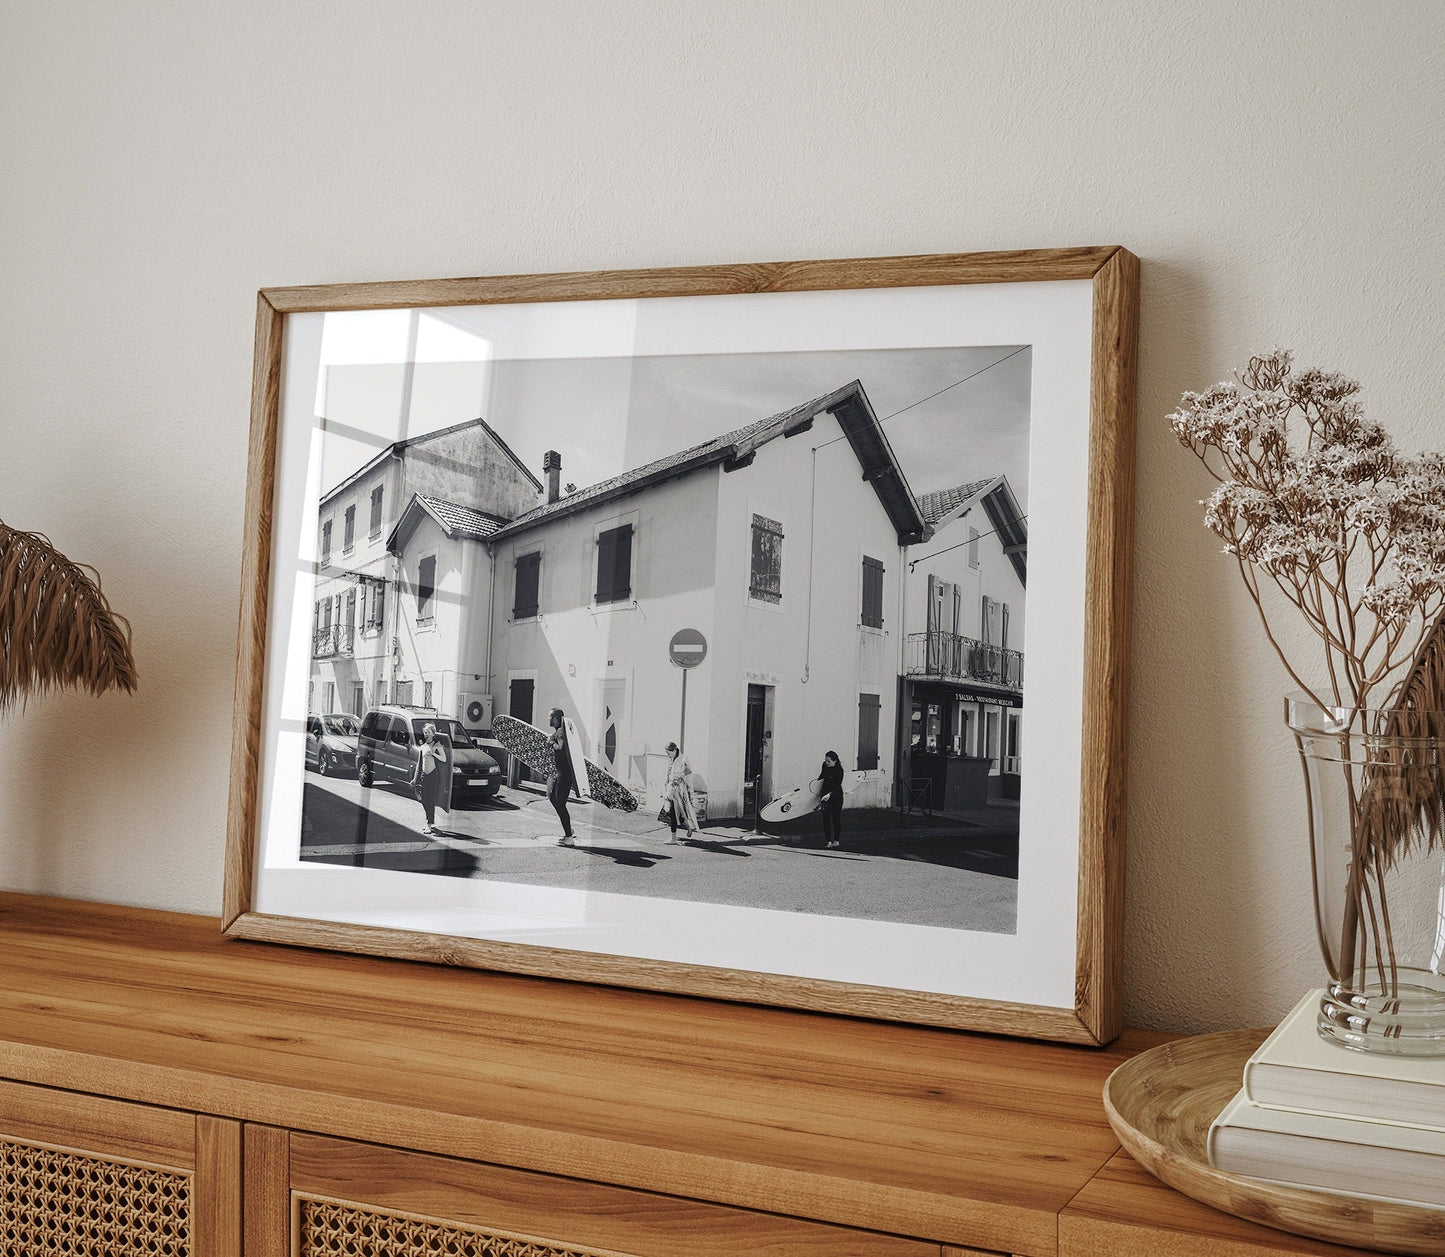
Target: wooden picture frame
[1093,373]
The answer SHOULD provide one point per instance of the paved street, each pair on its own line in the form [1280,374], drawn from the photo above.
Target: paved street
[943,873]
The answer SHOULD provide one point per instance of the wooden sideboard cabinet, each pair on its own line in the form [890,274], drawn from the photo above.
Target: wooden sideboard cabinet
[165,1091]
[84,1174]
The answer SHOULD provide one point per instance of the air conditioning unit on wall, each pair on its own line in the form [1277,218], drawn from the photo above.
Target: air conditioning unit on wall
[476,712]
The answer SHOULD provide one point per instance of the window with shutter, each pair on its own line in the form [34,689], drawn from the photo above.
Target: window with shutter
[348,530]
[992,621]
[872,615]
[868,708]
[973,535]
[326,542]
[614,564]
[376,496]
[524,597]
[766,580]
[426,587]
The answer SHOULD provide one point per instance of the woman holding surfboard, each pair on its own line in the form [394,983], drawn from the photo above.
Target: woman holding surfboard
[678,804]
[431,757]
[830,798]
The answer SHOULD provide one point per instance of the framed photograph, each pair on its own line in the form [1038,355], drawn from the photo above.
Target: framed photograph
[753,631]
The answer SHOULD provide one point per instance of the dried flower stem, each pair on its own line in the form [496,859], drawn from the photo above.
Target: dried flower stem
[1314,498]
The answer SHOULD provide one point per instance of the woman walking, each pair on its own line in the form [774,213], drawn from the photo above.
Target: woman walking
[563,778]
[431,755]
[831,798]
[678,804]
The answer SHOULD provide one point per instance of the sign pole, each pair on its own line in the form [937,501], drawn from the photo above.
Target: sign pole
[687,649]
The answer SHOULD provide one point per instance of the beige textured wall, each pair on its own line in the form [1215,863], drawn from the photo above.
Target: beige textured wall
[1278,168]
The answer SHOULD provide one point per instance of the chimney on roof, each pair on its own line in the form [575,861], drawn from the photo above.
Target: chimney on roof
[552,465]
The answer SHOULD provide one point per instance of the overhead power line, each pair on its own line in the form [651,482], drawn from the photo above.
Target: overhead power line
[931,396]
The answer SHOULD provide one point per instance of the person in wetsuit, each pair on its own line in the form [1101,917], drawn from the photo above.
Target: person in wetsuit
[563,778]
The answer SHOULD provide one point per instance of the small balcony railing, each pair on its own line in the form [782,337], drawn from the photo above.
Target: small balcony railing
[333,639]
[950,657]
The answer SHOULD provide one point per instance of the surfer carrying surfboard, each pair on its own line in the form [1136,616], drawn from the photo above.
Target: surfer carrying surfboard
[563,778]
[830,798]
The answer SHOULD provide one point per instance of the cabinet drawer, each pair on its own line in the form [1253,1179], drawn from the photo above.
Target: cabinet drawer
[366,1201]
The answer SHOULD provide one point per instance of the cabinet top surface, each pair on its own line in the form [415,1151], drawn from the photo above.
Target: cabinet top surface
[560,1076]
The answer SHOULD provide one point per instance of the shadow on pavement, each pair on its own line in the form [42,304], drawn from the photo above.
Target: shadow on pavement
[718,846]
[329,821]
[956,848]
[618,855]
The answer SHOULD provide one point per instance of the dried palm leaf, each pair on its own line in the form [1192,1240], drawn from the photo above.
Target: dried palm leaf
[56,628]
[1403,800]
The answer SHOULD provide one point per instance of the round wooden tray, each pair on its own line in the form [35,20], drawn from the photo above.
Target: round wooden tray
[1161,1103]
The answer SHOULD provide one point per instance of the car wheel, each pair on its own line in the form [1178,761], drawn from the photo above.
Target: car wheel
[363,773]
[322,765]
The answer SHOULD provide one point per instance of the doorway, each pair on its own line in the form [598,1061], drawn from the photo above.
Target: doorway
[520,694]
[757,749]
[610,744]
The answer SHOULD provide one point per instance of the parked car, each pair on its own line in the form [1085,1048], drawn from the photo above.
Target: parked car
[387,751]
[331,743]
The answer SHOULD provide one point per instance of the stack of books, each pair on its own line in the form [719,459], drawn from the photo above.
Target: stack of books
[1313,1114]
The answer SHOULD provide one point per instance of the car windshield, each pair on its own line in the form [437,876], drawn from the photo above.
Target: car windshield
[342,726]
[452,728]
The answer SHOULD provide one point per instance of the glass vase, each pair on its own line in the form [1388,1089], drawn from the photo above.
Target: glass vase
[1376,804]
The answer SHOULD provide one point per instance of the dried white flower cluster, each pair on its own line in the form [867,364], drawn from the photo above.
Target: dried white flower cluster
[1314,495]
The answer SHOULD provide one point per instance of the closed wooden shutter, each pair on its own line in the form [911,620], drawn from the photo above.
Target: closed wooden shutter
[426,586]
[614,564]
[376,496]
[524,603]
[766,579]
[872,615]
[868,708]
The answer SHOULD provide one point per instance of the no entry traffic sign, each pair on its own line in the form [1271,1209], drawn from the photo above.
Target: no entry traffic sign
[687,649]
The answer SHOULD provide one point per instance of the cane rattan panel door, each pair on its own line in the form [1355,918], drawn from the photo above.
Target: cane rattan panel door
[333,1228]
[356,1200]
[82,1176]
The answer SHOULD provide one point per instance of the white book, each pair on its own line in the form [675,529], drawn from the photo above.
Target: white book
[1296,1069]
[1380,1160]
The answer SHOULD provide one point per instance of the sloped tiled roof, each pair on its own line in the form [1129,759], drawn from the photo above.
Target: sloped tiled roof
[941,507]
[736,444]
[452,518]
[458,520]
[934,506]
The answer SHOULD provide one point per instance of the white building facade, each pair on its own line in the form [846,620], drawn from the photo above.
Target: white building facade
[961,691]
[388,629]
[782,545]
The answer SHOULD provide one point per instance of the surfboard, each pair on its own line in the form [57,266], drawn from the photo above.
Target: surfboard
[531,745]
[574,748]
[444,793]
[526,743]
[804,799]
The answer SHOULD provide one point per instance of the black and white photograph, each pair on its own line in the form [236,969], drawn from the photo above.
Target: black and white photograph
[744,629]
[751,631]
